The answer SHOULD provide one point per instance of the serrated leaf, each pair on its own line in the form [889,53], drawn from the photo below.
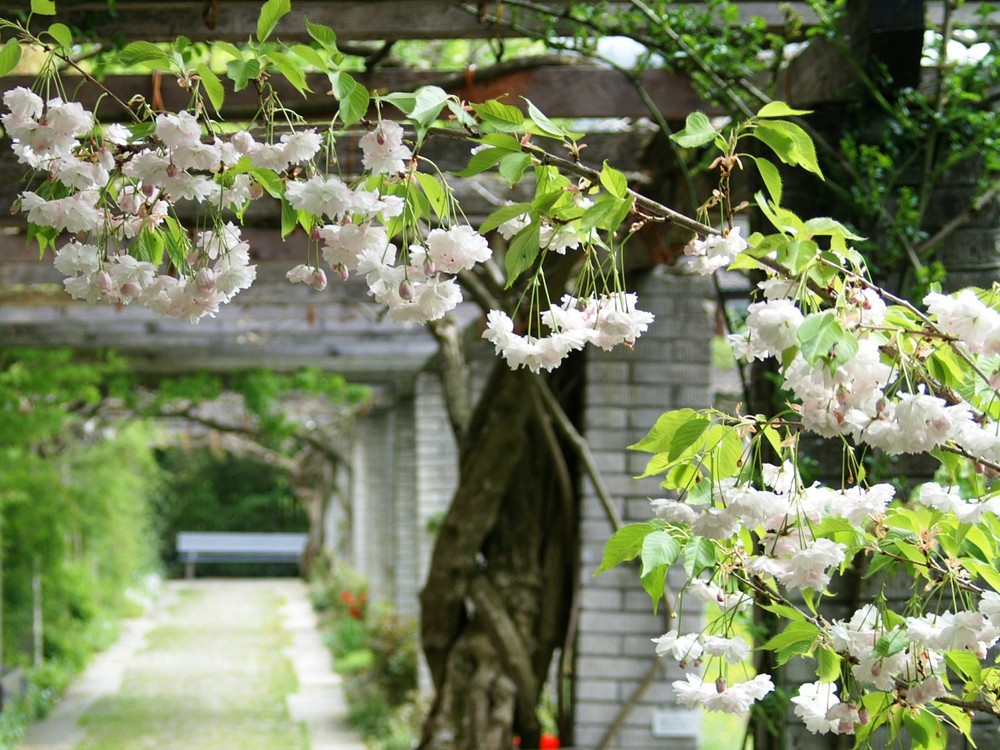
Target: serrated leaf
[268,180]
[10,56]
[654,583]
[499,116]
[797,638]
[309,55]
[428,102]
[624,545]
[270,14]
[697,131]
[290,70]
[136,53]
[43,7]
[781,109]
[827,664]
[512,167]
[241,72]
[522,253]
[658,439]
[289,218]
[322,34]
[789,142]
[503,214]
[699,555]
[354,98]
[770,176]
[482,160]
[966,664]
[543,125]
[436,196]
[614,181]
[230,49]
[659,549]
[891,643]
[212,86]
[683,477]
[61,34]
[686,435]
[821,338]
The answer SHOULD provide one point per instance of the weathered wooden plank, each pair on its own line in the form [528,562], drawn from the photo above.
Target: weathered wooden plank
[361,20]
[561,90]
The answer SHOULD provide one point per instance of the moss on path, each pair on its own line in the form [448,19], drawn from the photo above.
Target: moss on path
[212,677]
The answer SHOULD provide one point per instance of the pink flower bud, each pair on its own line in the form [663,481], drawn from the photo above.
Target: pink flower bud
[344,273]
[256,191]
[720,685]
[205,279]
[405,290]
[315,234]
[130,289]
[318,280]
[104,282]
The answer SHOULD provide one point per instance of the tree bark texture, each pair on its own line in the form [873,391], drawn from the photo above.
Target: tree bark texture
[497,600]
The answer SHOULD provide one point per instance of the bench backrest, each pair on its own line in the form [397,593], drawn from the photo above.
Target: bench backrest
[237,543]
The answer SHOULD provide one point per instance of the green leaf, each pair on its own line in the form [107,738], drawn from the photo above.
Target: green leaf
[289,218]
[926,730]
[502,214]
[659,549]
[427,104]
[43,7]
[241,72]
[270,14]
[659,438]
[697,131]
[482,160]
[827,664]
[771,178]
[783,220]
[309,55]
[797,638]
[543,125]
[290,70]
[61,34]
[10,56]
[522,253]
[654,583]
[142,52]
[436,195]
[789,142]
[891,643]
[268,180]
[699,555]
[354,98]
[323,34]
[230,49]
[683,477]
[780,109]
[614,181]
[686,435]
[212,85]
[499,116]
[966,664]
[625,544]
[821,338]
[512,167]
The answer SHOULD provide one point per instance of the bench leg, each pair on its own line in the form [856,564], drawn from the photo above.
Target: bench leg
[189,570]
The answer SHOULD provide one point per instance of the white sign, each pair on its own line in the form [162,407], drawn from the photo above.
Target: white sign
[677,722]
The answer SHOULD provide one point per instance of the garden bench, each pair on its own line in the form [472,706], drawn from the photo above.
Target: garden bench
[237,547]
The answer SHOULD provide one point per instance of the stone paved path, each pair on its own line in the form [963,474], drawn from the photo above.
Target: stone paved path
[217,665]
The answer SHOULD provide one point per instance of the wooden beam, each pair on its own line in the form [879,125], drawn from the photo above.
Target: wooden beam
[573,91]
[353,20]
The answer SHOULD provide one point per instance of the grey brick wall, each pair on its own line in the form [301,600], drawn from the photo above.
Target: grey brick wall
[626,391]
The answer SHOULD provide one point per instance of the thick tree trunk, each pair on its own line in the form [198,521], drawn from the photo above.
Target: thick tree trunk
[497,599]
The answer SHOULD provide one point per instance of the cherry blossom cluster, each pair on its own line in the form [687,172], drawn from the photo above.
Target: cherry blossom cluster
[114,188]
[865,397]
[605,321]
[719,695]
